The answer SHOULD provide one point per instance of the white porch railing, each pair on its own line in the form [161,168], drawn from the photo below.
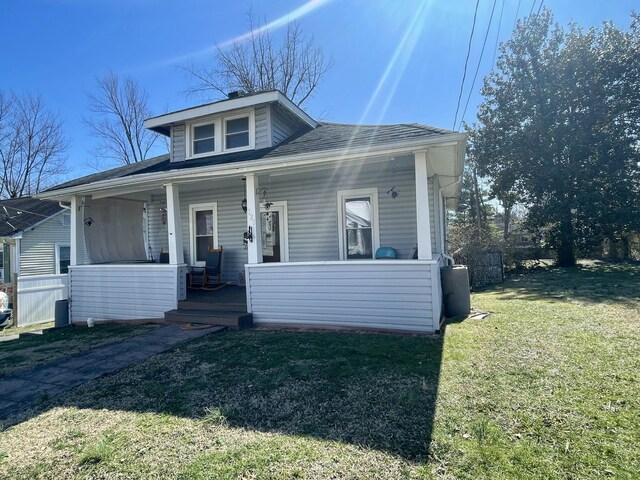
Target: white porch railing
[400,295]
[125,291]
[37,296]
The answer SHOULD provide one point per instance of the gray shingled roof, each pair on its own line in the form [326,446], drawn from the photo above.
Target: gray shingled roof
[326,136]
[23,213]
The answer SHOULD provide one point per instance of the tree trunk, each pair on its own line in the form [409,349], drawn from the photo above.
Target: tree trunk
[612,254]
[566,252]
[507,221]
[626,250]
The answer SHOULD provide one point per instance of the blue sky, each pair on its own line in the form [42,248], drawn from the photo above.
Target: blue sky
[394,60]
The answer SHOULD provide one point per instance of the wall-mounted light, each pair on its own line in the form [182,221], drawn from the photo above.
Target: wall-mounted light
[392,192]
[244,205]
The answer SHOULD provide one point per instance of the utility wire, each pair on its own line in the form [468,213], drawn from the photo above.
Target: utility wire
[464,74]
[540,7]
[515,20]
[475,75]
[495,46]
[532,7]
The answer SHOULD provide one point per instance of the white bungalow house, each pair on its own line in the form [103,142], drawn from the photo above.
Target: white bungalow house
[320,199]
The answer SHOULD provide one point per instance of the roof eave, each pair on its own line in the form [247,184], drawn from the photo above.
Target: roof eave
[147,181]
[161,124]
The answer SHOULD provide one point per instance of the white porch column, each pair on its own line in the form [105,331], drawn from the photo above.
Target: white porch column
[422,206]
[254,248]
[77,230]
[174,227]
[17,255]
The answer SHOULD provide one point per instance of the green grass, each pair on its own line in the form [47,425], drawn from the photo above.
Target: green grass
[547,386]
[13,330]
[32,350]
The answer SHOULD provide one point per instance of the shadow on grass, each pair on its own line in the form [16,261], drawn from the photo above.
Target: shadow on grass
[591,282]
[370,390]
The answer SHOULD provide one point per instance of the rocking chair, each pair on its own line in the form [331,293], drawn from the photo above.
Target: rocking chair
[208,277]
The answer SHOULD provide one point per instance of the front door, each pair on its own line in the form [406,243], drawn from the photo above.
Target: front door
[274,232]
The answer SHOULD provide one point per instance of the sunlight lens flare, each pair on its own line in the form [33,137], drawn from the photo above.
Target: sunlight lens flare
[276,24]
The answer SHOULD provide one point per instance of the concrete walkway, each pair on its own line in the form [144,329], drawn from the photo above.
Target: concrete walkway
[23,389]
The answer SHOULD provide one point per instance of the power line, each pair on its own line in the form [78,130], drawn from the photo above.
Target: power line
[540,7]
[495,46]
[515,20]
[532,7]
[475,76]
[464,74]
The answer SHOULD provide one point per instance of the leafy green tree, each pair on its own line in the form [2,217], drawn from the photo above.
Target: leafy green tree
[559,129]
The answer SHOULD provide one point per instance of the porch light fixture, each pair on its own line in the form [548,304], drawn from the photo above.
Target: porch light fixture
[392,192]
[244,200]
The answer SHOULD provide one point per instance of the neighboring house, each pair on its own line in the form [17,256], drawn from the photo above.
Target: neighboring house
[300,207]
[35,237]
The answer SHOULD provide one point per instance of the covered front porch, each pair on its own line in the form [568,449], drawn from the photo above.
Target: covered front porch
[304,247]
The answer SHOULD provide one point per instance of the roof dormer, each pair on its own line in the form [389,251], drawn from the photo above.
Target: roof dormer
[242,122]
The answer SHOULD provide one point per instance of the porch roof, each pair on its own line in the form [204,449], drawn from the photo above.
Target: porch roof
[326,139]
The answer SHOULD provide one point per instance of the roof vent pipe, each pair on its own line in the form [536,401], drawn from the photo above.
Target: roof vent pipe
[236,94]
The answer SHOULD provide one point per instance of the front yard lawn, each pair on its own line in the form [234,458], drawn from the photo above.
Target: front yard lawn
[548,386]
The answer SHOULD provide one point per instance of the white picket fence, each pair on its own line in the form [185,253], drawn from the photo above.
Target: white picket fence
[37,296]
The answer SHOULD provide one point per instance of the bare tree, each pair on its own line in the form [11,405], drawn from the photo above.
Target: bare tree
[120,108]
[255,64]
[32,145]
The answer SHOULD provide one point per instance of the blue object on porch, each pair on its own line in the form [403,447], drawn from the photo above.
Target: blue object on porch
[386,253]
[208,277]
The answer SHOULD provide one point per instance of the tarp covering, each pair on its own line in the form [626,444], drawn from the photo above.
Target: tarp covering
[113,230]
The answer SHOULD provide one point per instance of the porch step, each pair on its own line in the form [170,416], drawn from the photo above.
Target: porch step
[206,305]
[226,318]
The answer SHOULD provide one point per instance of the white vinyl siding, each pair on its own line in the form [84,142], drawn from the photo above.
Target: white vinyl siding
[124,292]
[263,138]
[38,246]
[178,143]
[313,208]
[389,295]
[283,124]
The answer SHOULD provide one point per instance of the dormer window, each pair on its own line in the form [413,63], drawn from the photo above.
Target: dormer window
[204,138]
[221,135]
[237,132]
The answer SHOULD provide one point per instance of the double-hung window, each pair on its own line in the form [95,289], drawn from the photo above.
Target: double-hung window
[204,138]
[220,135]
[236,132]
[63,258]
[358,223]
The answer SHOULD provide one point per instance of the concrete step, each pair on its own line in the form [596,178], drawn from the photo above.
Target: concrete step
[235,320]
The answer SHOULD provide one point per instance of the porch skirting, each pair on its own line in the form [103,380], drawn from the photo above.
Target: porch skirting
[125,291]
[396,295]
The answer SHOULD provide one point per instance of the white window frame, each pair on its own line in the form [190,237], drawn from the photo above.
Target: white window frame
[66,220]
[57,255]
[251,145]
[198,207]
[344,195]
[220,134]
